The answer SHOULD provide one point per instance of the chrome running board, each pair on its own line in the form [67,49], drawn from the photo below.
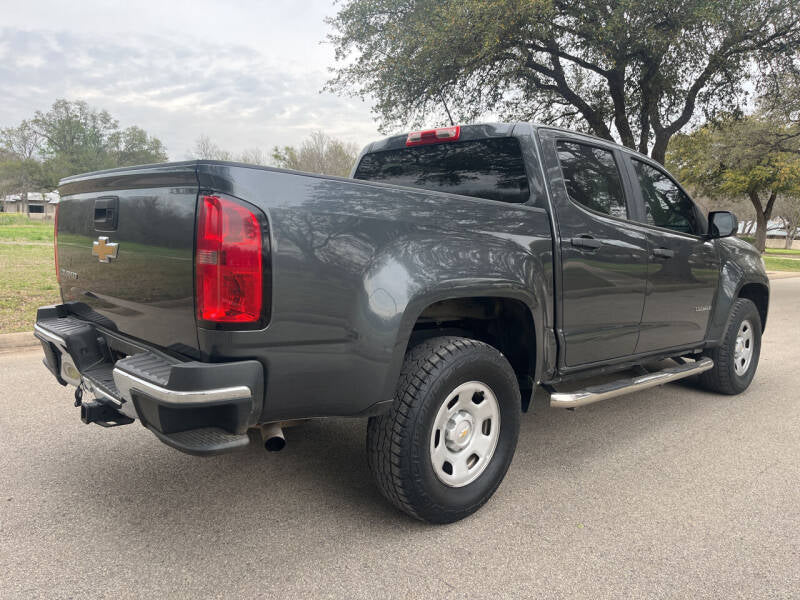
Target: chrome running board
[627,386]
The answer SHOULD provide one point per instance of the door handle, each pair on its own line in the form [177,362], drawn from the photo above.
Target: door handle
[663,253]
[586,241]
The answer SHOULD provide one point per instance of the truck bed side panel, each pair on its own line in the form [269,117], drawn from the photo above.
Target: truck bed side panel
[353,266]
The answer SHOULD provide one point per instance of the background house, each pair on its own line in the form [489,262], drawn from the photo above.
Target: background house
[776,233]
[36,205]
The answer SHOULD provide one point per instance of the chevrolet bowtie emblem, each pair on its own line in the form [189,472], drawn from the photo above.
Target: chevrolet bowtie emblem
[104,250]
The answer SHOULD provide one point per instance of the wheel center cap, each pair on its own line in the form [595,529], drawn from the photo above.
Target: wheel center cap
[458,432]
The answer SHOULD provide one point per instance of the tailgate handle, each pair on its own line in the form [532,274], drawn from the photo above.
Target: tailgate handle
[106,213]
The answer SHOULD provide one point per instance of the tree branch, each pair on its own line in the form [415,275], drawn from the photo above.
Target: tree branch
[616,88]
[556,73]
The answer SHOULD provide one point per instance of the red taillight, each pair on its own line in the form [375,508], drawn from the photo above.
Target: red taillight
[55,244]
[433,136]
[228,262]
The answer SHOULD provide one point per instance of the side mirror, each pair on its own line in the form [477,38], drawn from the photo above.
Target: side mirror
[721,223]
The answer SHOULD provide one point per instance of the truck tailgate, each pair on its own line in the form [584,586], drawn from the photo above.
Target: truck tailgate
[125,242]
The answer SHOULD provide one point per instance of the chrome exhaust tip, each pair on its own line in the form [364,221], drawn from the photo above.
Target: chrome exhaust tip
[272,434]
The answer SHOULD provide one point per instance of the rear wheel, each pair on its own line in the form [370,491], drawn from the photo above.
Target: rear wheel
[445,446]
[736,358]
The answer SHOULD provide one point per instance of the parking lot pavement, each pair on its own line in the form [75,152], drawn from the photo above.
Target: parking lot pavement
[672,492]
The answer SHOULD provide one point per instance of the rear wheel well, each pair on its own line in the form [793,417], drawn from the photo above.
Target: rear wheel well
[758,294]
[505,323]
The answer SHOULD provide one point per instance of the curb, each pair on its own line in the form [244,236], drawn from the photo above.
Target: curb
[10,342]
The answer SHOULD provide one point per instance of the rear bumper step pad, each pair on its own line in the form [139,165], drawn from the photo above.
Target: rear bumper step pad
[200,408]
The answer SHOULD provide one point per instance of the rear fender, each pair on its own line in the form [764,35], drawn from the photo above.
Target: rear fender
[453,268]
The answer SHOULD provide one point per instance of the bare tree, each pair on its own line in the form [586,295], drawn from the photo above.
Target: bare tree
[254,156]
[22,141]
[789,215]
[206,149]
[319,153]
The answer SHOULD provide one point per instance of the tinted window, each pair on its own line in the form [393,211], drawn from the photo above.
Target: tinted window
[491,168]
[592,178]
[665,204]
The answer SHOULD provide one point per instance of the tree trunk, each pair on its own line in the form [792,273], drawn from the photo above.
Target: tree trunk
[659,151]
[763,215]
[791,229]
[761,230]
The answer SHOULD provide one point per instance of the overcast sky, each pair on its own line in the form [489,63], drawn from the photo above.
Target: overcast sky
[246,73]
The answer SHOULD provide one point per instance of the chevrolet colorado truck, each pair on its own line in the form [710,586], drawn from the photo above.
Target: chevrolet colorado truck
[454,274]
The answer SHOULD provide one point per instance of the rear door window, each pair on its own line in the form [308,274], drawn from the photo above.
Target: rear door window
[592,178]
[491,168]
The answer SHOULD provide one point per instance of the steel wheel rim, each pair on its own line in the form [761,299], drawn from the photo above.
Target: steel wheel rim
[743,350]
[465,434]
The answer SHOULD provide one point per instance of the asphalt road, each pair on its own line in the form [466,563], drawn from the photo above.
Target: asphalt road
[668,493]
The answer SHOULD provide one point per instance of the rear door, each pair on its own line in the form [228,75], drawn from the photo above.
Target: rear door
[125,251]
[603,253]
[683,266]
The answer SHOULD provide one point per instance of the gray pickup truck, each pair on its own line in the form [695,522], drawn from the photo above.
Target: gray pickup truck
[458,271]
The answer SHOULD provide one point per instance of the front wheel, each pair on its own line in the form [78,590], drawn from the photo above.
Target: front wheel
[736,358]
[445,446]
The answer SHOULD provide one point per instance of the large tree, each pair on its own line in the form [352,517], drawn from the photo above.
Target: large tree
[740,157]
[134,146]
[634,70]
[72,137]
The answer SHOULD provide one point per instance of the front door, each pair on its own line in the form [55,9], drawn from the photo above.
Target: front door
[603,257]
[683,266]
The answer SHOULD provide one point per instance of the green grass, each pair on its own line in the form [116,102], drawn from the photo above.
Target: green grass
[19,228]
[27,281]
[781,264]
[783,252]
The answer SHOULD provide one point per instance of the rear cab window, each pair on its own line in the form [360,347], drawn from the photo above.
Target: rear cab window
[592,178]
[491,168]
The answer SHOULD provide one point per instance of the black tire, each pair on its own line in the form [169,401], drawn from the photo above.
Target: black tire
[398,442]
[723,378]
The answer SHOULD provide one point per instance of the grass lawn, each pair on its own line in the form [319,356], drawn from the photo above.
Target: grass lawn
[27,271]
[27,281]
[19,228]
[781,264]
[783,252]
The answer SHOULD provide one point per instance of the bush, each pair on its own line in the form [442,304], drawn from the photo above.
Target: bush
[747,238]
